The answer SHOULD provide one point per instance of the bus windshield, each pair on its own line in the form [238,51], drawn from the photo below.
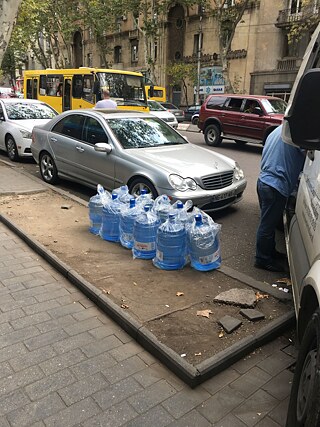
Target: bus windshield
[124,88]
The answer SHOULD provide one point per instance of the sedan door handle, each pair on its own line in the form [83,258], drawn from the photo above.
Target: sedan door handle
[53,139]
[80,149]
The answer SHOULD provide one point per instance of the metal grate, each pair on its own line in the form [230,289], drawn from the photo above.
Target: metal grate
[220,180]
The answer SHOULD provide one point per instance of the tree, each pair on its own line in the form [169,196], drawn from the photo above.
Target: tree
[149,17]
[47,28]
[309,18]
[7,16]
[183,74]
[228,13]
[99,16]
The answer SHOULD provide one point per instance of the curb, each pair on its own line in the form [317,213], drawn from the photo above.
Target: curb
[191,375]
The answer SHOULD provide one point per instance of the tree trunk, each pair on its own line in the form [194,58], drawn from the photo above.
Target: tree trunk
[8,13]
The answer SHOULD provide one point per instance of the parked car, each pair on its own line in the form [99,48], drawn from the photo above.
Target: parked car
[17,118]
[195,119]
[174,110]
[302,231]
[158,110]
[243,118]
[190,111]
[6,92]
[114,148]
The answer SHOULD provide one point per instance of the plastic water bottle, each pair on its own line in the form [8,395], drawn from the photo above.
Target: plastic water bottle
[144,234]
[127,218]
[110,220]
[144,198]
[204,245]
[171,245]
[95,213]
[123,194]
[162,207]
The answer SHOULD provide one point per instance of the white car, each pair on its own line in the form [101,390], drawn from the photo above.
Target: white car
[17,119]
[159,111]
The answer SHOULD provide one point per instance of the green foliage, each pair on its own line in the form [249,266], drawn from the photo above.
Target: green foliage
[182,75]
[308,20]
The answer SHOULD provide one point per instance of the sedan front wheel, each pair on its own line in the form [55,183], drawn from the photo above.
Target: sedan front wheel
[12,149]
[139,184]
[48,169]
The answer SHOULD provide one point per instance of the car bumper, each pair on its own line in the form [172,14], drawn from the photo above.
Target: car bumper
[209,201]
[23,147]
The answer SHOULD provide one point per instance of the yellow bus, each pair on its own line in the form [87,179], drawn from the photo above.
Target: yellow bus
[69,89]
[156,93]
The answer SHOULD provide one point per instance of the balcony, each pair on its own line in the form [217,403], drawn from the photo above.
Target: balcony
[134,34]
[288,17]
[288,64]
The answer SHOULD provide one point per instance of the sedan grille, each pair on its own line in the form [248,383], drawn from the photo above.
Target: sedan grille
[217,181]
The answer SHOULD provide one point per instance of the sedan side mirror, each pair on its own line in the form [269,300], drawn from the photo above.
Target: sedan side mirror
[103,147]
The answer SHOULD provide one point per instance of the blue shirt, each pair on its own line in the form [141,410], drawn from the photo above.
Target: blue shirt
[281,163]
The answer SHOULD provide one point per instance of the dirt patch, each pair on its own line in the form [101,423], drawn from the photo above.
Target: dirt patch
[147,293]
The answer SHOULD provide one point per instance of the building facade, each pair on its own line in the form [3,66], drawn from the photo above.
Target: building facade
[261,60]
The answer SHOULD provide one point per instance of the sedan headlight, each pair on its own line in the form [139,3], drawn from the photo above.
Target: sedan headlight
[25,133]
[182,184]
[238,172]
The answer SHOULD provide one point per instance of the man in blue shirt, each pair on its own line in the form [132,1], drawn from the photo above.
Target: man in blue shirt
[281,165]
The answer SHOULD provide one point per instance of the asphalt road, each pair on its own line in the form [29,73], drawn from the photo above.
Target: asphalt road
[239,223]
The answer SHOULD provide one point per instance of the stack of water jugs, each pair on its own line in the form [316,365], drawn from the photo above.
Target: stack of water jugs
[169,234]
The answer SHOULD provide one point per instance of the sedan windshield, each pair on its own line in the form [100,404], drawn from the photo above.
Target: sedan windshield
[144,132]
[275,106]
[155,106]
[26,111]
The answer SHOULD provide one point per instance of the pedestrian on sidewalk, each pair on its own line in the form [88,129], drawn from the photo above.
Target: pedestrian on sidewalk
[106,102]
[281,165]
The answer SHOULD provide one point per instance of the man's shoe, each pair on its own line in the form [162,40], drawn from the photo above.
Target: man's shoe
[270,266]
[279,255]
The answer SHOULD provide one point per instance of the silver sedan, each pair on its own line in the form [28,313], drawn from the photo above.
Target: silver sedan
[118,147]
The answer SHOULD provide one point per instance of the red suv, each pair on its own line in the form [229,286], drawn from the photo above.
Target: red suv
[243,118]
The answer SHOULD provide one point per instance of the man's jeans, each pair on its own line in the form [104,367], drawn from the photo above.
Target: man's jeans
[272,204]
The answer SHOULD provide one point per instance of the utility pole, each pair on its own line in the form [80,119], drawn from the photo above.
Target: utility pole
[201,10]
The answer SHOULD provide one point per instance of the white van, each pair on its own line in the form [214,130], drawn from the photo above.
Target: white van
[301,127]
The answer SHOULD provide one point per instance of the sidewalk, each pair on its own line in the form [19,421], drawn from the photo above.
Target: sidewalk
[63,362]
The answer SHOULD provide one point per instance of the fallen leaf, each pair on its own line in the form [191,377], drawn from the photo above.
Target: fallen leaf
[221,334]
[124,306]
[179,294]
[204,313]
[261,296]
[284,281]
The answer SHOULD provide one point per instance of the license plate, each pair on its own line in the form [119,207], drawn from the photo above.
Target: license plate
[223,196]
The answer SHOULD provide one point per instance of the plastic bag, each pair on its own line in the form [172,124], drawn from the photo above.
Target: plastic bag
[162,206]
[123,194]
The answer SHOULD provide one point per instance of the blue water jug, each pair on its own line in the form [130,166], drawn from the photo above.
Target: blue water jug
[123,194]
[171,245]
[144,198]
[127,218]
[162,206]
[110,220]
[95,213]
[204,244]
[144,234]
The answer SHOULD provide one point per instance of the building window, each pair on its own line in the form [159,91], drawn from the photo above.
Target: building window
[134,52]
[89,59]
[295,6]
[196,43]
[117,54]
